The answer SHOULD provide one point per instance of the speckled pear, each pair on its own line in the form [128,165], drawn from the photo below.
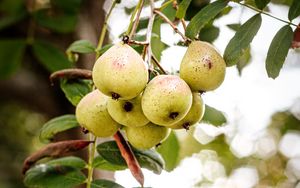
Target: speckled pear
[147,136]
[166,100]
[194,115]
[127,112]
[120,72]
[92,114]
[202,67]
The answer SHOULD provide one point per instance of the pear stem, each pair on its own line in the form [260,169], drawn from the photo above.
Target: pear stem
[134,19]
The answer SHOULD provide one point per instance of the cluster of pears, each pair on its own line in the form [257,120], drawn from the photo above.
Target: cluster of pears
[147,110]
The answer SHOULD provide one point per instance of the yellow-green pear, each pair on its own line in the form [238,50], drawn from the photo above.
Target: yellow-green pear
[92,114]
[120,72]
[194,115]
[166,100]
[147,136]
[127,112]
[202,67]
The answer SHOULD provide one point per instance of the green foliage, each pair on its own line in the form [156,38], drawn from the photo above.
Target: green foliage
[278,50]
[75,89]
[11,12]
[11,54]
[294,10]
[182,8]
[209,33]
[204,16]
[81,46]
[56,125]
[52,58]
[71,161]
[261,4]
[244,60]
[101,183]
[285,121]
[241,40]
[169,150]
[149,159]
[100,163]
[213,116]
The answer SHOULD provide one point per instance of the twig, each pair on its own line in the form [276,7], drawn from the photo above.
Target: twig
[92,149]
[137,8]
[163,6]
[166,19]
[142,43]
[70,74]
[137,19]
[149,32]
[158,64]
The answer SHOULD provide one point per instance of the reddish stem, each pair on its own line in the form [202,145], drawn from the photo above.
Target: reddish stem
[71,74]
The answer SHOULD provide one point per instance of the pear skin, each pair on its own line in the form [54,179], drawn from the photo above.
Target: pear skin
[202,67]
[120,72]
[194,115]
[127,112]
[147,136]
[166,100]
[92,114]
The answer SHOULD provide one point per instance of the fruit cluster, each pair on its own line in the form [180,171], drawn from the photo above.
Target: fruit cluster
[148,110]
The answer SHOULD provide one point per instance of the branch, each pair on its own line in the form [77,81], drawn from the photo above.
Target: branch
[158,64]
[149,32]
[70,74]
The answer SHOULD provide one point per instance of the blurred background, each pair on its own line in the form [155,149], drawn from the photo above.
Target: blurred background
[253,140]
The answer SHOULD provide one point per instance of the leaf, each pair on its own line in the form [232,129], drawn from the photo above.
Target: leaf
[169,150]
[296,38]
[9,20]
[49,56]
[100,163]
[76,89]
[81,46]
[285,121]
[204,16]
[11,53]
[57,176]
[101,183]
[234,27]
[244,60]
[149,159]
[56,125]
[105,48]
[209,34]
[71,161]
[294,10]
[54,150]
[261,4]
[184,4]
[213,116]
[157,45]
[241,40]
[278,51]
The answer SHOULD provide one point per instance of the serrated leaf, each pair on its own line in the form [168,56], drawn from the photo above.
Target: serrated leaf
[101,183]
[50,57]
[81,46]
[241,40]
[56,125]
[209,34]
[183,6]
[149,159]
[11,53]
[75,89]
[56,176]
[294,10]
[244,60]
[100,163]
[261,4]
[71,161]
[213,116]
[278,50]
[169,150]
[204,16]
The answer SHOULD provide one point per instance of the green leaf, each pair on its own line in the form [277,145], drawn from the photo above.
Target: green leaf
[234,27]
[157,45]
[294,10]
[71,161]
[81,46]
[105,48]
[278,50]
[204,16]
[241,40]
[261,4]
[56,125]
[149,159]
[11,19]
[50,57]
[244,60]
[68,6]
[100,163]
[209,34]
[61,23]
[44,175]
[183,6]
[213,116]
[169,150]
[75,89]
[11,53]
[102,183]
[285,121]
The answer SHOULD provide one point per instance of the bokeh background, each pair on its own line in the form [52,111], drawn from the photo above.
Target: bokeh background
[256,143]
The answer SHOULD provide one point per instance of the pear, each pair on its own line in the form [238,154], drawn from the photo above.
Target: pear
[127,112]
[92,114]
[120,72]
[202,67]
[166,100]
[147,136]
[194,115]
